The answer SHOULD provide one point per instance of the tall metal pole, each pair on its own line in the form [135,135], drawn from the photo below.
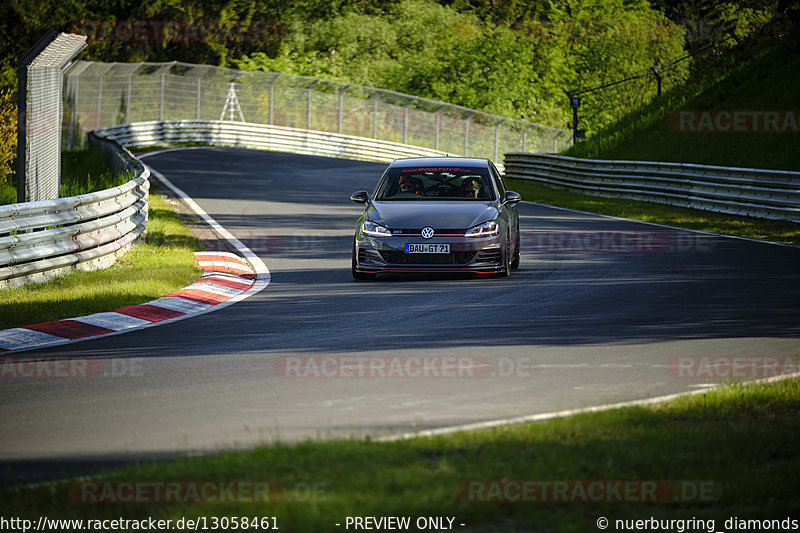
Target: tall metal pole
[575,103]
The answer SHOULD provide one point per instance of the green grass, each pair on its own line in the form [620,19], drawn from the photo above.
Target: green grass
[160,265]
[739,442]
[82,171]
[765,79]
[754,228]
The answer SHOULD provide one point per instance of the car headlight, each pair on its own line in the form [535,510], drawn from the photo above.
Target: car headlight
[374,230]
[487,229]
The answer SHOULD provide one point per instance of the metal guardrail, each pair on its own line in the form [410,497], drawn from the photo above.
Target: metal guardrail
[39,240]
[262,137]
[741,191]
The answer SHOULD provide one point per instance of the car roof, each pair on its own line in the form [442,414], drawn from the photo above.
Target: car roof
[439,162]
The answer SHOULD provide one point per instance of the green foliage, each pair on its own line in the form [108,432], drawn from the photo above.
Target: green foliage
[514,58]
[8,136]
[760,74]
[85,171]
[518,68]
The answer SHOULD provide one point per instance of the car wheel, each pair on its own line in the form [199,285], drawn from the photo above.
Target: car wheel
[515,262]
[360,276]
[507,258]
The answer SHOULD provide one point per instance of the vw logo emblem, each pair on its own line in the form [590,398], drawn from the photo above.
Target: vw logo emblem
[427,232]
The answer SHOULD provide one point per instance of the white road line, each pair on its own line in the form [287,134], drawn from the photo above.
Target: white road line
[699,231]
[489,424]
[262,272]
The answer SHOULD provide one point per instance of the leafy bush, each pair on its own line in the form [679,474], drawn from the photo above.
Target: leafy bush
[8,137]
[520,69]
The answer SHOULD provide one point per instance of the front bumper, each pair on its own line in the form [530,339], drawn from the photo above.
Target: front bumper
[470,255]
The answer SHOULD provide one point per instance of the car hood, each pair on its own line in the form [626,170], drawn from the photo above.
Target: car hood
[436,214]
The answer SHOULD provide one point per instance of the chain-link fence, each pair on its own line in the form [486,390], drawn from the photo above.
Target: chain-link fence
[40,115]
[109,94]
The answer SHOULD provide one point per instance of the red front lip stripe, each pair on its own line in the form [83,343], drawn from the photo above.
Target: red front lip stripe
[422,271]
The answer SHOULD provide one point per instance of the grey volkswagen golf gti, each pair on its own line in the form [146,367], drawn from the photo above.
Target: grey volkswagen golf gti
[437,215]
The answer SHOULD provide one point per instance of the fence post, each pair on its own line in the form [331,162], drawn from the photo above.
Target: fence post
[466,134]
[100,95]
[161,99]
[438,126]
[340,110]
[405,121]
[496,137]
[524,137]
[555,141]
[128,98]
[197,100]
[271,96]
[308,102]
[375,115]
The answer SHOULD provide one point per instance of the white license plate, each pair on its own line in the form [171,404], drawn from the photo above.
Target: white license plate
[427,248]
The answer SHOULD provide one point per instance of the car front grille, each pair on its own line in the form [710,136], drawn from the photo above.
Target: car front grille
[402,258]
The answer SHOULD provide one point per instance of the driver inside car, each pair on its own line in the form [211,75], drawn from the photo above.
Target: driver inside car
[409,185]
[471,188]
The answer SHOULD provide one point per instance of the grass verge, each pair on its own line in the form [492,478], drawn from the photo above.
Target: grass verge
[163,263]
[763,81]
[82,171]
[755,228]
[729,452]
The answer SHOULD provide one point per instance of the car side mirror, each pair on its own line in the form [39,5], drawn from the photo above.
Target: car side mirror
[360,197]
[512,198]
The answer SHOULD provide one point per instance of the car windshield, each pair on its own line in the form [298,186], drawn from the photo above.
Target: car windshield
[438,183]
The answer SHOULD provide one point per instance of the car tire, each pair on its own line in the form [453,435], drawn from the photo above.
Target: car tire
[359,276]
[515,262]
[507,258]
